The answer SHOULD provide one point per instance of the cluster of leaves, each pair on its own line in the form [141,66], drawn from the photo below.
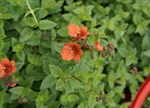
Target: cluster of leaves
[33,32]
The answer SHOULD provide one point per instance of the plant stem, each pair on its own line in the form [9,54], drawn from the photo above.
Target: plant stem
[91,54]
[32,12]
[76,78]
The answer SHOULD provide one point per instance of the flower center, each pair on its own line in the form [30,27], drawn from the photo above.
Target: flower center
[7,69]
[74,50]
[78,35]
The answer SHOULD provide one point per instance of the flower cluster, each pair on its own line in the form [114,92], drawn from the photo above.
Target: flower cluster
[72,50]
[6,69]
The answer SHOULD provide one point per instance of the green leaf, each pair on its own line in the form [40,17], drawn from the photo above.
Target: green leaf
[55,6]
[46,24]
[69,2]
[111,79]
[34,59]
[16,2]
[19,65]
[18,47]
[145,42]
[6,46]
[29,68]
[55,70]
[122,51]
[35,40]
[112,24]
[29,21]
[131,59]
[59,84]
[48,4]
[147,53]
[39,104]
[21,55]
[2,97]
[42,13]
[84,12]
[26,34]
[14,42]
[5,15]
[57,46]
[16,12]
[69,98]
[1,44]
[63,32]
[48,82]
[43,96]
[17,90]
[142,27]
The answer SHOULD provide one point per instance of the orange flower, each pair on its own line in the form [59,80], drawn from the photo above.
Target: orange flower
[98,46]
[78,32]
[7,67]
[71,51]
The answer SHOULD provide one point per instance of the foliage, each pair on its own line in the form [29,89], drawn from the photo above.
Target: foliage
[33,33]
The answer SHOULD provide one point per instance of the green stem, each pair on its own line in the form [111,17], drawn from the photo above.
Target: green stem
[32,12]
[76,78]
[91,52]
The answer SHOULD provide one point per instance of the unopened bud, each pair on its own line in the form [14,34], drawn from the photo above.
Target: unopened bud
[110,45]
[11,82]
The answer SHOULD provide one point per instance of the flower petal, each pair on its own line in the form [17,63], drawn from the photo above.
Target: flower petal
[84,32]
[5,61]
[73,30]
[1,71]
[66,53]
[83,29]
[78,46]
[80,52]
[12,63]
[98,46]
[13,69]
[76,57]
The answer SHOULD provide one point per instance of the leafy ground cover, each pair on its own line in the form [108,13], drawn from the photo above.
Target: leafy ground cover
[73,53]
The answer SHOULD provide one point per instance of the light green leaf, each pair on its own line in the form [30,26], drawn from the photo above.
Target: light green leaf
[69,98]
[17,90]
[111,79]
[59,84]
[147,53]
[18,47]
[131,59]
[55,70]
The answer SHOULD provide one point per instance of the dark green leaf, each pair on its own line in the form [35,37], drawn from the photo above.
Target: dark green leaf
[26,34]
[46,24]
